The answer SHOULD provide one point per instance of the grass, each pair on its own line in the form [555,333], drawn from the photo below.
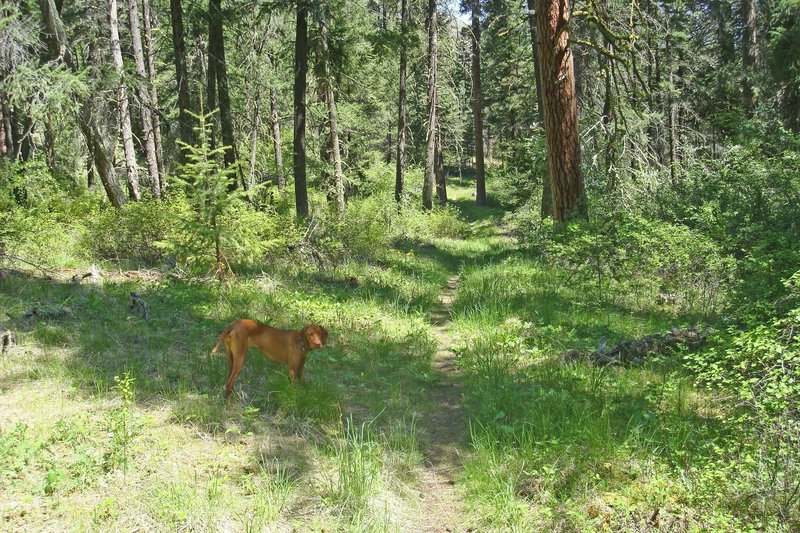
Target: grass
[108,421]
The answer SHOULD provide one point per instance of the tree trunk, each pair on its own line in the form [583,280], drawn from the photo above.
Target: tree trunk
[547,195]
[276,138]
[608,116]
[151,82]
[185,132]
[489,146]
[251,176]
[338,175]
[50,145]
[402,106]
[124,110]
[276,130]
[99,153]
[300,69]
[477,105]
[671,110]
[749,53]
[333,120]
[430,162]
[211,95]
[89,172]
[560,110]
[144,99]
[727,48]
[3,147]
[216,55]
[14,134]
[8,131]
[441,181]
[26,146]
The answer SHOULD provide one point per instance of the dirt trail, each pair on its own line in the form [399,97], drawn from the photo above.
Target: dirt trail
[445,429]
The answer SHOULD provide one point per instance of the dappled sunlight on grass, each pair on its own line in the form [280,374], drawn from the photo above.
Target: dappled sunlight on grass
[553,445]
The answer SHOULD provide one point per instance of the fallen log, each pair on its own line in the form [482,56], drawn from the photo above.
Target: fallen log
[635,352]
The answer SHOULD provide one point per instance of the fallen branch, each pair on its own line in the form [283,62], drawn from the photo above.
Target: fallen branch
[77,278]
[636,351]
[47,313]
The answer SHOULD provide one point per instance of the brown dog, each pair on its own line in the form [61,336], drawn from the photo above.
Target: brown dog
[286,346]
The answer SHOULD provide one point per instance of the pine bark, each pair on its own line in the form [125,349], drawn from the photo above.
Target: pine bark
[149,48]
[185,131]
[560,109]
[276,130]
[50,145]
[402,106]
[276,138]
[430,161]
[3,128]
[144,99]
[131,167]
[100,154]
[477,104]
[338,174]
[251,175]
[211,96]
[216,55]
[333,125]
[441,180]
[300,70]
[547,195]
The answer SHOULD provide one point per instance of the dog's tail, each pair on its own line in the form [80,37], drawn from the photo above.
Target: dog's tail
[221,339]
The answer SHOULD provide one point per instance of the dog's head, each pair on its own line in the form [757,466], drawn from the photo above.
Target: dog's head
[315,336]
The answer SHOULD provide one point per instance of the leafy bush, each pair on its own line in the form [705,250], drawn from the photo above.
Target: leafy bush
[135,233]
[414,223]
[758,365]
[629,254]
[759,362]
[32,185]
[747,201]
[41,215]
[39,237]
[371,225]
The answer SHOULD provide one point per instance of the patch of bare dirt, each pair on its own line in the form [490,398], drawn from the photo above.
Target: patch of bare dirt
[445,430]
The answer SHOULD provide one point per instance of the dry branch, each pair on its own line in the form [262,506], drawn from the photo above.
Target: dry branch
[636,351]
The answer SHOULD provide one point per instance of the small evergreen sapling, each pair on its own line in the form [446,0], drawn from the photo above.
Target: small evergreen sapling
[205,182]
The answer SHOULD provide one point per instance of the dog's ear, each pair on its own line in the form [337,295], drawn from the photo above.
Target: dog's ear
[324,334]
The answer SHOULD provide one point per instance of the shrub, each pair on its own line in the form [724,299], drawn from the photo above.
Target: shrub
[747,201]
[629,254]
[759,362]
[134,233]
[413,223]
[360,234]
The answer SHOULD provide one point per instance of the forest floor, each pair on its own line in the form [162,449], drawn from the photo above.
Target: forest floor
[439,404]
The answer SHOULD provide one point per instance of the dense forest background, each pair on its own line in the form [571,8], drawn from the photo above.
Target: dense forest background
[571,175]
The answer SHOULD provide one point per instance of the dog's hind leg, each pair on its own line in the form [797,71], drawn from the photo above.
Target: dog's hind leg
[237,358]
